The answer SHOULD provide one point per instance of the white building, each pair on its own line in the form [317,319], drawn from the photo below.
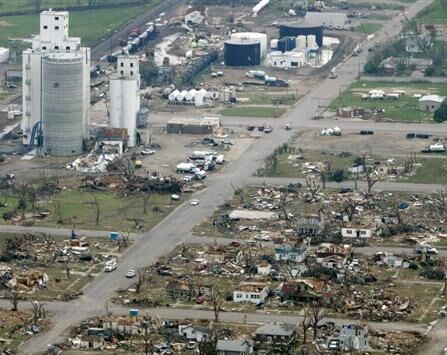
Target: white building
[430,102]
[253,292]
[125,96]
[356,232]
[194,332]
[53,40]
[4,55]
[292,59]
[264,268]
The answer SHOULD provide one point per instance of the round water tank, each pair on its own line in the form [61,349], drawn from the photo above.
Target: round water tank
[301,42]
[254,36]
[301,29]
[312,42]
[62,84]
[242,52]
[273,44]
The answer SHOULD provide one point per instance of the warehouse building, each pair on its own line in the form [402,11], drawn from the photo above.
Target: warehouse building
[205,125]
[56,88]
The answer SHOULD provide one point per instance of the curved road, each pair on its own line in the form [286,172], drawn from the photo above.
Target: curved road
[176,227]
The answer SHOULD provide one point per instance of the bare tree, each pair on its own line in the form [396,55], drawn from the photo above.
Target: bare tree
[146,197]
[371,178]
[67,267]
[217,299]
[140,281]
[312,186]
[283,206]
[108,312]
[98,210]
[439,199]
[127,168]
[38,311]
[349,208]
[304,327]
[144,326]
[315,312]
[14,297]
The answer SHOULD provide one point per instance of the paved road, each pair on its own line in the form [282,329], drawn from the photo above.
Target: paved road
[361,185]
[64,232]
[176,227]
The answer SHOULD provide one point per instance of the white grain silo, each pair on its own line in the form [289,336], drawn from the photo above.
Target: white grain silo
[52,43]
[62,124]
[254,36]
[312,42]
[125,97]
[301,42]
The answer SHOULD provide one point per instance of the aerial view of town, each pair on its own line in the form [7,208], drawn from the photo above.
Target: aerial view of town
[223,177]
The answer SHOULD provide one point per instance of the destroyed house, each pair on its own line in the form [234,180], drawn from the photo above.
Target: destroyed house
[311,224]
[253,292]
[356,232]
[353,337]
[301,291]
[333,262]
[122,325]
[91,342]
[178,290]
[289,253]
[194,332]
[275,333]
[184,291]
[234,347]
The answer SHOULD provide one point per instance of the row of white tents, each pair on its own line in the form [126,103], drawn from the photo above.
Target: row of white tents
[191,97]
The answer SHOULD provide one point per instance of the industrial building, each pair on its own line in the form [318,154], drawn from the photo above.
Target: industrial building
[125,96]
[296,29]
[293,59]
[56,88]
[4,55]
[205,125]
[245,49]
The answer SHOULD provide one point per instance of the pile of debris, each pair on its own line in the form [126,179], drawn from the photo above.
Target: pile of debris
[395,341]
[23,280]
[378,305]
[134,184]
[93,163]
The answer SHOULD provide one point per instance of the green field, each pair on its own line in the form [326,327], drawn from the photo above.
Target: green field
[433,171]
[368,28]
[435,13]
[259,99]
[77,207]
[404,109]
[92,26]
[253,111]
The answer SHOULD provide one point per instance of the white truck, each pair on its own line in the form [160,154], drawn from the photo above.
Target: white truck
[425,249]
[434,148]
[185,167]
[200,175]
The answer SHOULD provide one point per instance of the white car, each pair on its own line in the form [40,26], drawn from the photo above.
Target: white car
[110,267]
[131,273]
[187,178]
[147,152]
[194,202]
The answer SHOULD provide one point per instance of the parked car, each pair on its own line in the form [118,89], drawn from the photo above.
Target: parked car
[288,127]
[111,266]
[131,274]
[187,178]
[366,132]
[251,128]
[443,311]
[268,130]
[194,202]
[345,190]
[147,152]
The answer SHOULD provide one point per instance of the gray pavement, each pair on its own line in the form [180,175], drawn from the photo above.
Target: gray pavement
[177,226]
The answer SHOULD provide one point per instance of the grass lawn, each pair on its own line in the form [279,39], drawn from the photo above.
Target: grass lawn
[435,13]
[259,99]
[404,109]
[289,168]
[369,27]
[252,111]
[91,26]
[433,170]
[115,213]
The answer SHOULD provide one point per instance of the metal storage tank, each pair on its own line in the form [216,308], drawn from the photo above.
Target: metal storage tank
[286,44]
[312,42]
[301,42]
[301,29]
[242,52]
[261,37]
[273,44]
[62,85]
